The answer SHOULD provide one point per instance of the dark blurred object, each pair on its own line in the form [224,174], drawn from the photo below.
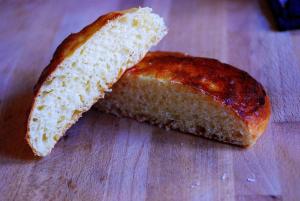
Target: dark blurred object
[286,13]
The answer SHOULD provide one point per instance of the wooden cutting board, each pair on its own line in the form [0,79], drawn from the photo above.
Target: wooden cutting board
[108,158]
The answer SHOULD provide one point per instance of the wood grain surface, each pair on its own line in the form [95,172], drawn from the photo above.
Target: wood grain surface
[107,158]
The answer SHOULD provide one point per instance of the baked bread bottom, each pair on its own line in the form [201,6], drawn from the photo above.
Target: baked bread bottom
[194,95]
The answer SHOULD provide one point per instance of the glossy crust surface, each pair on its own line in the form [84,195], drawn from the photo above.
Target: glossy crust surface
[225,84]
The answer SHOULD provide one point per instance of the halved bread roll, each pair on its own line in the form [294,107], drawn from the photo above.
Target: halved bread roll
[194,95]
[86,65]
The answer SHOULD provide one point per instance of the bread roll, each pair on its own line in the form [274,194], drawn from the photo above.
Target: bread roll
[194,95]
[85,66]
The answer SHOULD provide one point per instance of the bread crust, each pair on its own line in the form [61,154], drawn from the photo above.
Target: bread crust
[63,51]
[71,43]
[222,83]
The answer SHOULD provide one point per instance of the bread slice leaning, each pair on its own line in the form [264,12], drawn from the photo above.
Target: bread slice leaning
[195,95]
[85,66]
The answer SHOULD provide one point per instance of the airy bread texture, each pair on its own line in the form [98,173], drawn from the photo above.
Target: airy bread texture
[194,95]
[84,67]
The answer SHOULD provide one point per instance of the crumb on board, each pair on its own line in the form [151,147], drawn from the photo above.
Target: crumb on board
[251,179]
[195,184]
[224,176]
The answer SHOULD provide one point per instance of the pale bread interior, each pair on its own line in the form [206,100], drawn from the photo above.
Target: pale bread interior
[82,78]
[174,106]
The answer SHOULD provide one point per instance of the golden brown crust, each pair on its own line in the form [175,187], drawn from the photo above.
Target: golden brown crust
[71,43]
[229,86]
[64,50]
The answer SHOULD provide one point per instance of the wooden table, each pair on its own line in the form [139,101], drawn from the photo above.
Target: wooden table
[107,158]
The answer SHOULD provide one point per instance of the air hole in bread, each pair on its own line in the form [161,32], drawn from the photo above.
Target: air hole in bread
[61,119]
[47,92]
[81,98]
[45,138]
[48,82]
[100,88]
[56,138]
[82,51]
[88,86]
[135,23]
[41,107]
[76,113]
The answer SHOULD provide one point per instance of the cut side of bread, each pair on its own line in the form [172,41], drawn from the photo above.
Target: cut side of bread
[84,67]
[194,95]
